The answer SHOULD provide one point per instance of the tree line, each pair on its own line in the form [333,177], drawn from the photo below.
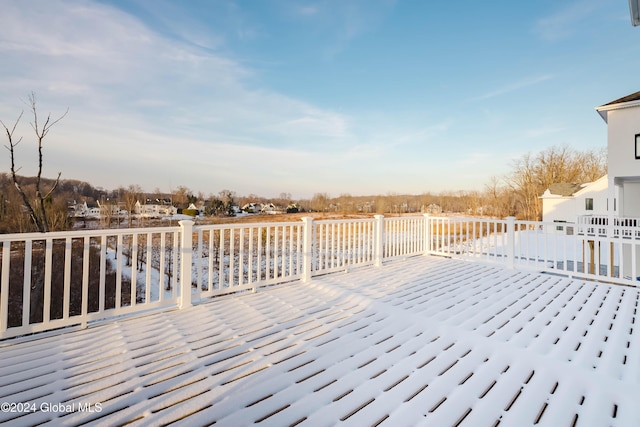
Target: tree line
[517,193]
[42,204]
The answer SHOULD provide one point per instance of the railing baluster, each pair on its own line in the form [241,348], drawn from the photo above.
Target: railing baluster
[283,246]
[119,256]
[634,264]
[26,285]
[260,259]
[67,279]
[85,280]
[134,268]
[197,258]
[251,257]
[329,245]
[148,268]
[291,239]
[241,259]
[161,265]
[268,260]
[232,258]
[299,259]
[221,257]
[4,286]
[174,268]
[276,252]
[48,266]
[103,274]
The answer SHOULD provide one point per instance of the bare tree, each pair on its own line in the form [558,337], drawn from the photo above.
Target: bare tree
[35,208]
[320,202]
[181,196]
[131,195]
[532,175]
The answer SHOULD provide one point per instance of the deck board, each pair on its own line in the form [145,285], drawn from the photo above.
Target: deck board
[426,341]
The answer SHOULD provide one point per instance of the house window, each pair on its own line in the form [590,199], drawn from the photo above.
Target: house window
[638,146]
[588,204]
[559,227]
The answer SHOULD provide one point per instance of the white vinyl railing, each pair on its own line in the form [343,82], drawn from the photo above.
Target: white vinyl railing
[404,236]
[609,255]
[59,279]
[229,258]
[54,280]
[341,244]
[627,227]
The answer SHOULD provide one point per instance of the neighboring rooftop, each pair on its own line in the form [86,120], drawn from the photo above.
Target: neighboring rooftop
[426,341]
[565,189]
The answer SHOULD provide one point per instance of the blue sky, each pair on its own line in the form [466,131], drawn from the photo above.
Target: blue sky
[336,96]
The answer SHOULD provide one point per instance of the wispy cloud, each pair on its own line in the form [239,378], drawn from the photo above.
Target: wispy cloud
[515,86]
[339,22]
[306,10]
[564,22]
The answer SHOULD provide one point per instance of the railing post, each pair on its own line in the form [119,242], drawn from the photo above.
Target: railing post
[186,256]
[511,242]
[427,234]
[307,243]
[378,233]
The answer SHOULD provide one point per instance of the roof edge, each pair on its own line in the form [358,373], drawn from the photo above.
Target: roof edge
[604,109]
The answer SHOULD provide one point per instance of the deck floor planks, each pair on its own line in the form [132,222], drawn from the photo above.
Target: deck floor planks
[424,341]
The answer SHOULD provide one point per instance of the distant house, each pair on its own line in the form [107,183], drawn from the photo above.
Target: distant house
[110,210]
[293,208]
[154,210]
[271,209]
[78,210]
[252,207]
[432,209]
[564,202]
[94,212]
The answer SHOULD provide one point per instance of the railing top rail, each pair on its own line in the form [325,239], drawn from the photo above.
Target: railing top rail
[403,218]
[343,221]
[465,218]
[53,235]
[246,225]
[603,216]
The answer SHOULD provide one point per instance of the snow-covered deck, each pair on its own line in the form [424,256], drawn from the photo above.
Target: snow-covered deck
[428,340]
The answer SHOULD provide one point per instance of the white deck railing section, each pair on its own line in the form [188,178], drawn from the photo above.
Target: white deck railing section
[627,227]
[59,279]
[229,258]
[576,250]
[341,244]
[54,280]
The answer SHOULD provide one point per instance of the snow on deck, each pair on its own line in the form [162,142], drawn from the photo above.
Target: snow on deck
[428,341]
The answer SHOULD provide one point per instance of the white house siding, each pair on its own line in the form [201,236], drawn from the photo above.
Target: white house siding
[597,191]
[556,208]
[623,124]
[630,202]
